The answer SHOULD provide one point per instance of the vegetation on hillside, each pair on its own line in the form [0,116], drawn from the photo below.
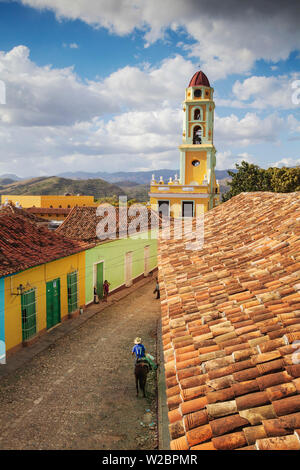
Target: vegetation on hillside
[59,186]
[250,177]
[138,192]
[134,185]
[5,181]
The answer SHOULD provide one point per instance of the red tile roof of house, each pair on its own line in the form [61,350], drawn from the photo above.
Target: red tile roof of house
[48,210]
[10,208]
[230,326]
[82,223]
[24,245]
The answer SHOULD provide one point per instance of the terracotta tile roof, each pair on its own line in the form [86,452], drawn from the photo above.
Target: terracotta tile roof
[24,245]
[230,323]
[82,222]
[48,210]
[12,209]
[199,78]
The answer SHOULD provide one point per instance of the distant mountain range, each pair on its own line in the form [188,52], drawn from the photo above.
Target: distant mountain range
[10,176]
[134,184]
[55,185]
[138,177]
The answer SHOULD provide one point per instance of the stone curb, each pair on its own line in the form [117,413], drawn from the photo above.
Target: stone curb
[163,422]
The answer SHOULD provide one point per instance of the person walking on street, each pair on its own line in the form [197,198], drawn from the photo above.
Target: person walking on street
[157,289]
[96,297]
[105,290]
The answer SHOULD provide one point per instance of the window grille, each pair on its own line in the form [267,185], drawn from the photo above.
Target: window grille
[28,307]
[72,291]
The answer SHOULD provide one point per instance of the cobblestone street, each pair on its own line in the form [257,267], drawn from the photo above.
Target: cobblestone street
[79,393]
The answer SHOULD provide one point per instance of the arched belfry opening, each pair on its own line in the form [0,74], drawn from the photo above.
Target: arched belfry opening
[197,114]
[197,135]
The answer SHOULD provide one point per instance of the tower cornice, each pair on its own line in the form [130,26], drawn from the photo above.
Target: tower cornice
[196,147]
[203,100]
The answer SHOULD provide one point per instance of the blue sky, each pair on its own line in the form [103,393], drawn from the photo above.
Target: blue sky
[92,84]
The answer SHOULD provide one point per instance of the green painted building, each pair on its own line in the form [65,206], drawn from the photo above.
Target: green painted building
[120,262]
[119,258]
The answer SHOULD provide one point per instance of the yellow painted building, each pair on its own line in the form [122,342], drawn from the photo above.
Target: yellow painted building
[49,201]
[45,298]
[196,190]
[42,279]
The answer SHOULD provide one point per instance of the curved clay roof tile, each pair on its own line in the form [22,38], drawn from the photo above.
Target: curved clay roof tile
[199,78]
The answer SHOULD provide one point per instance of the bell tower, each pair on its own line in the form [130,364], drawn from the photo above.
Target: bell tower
[196,190]
[197,152]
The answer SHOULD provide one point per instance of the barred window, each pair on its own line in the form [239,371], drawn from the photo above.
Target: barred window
[28,306]
[72,283]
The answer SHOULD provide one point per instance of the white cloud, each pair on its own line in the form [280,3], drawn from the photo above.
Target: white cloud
[226,160]
[251,129]
[261,92]
[72,45]
[129,141]
[50,96]
[289,162]
[148,87]
[52,119]
[230,36]
[293,124]
[54,122]
[45,95]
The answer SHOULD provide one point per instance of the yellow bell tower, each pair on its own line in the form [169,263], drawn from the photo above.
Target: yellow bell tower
[196,191]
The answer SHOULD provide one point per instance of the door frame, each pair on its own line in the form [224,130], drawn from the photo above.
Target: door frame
[164,200]
[190,201]
[95,274]
[52,280]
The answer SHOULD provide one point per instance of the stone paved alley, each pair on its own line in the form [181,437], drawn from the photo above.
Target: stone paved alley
[79,392]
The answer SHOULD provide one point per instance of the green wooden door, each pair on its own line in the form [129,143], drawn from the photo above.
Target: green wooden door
[28,306]
[53,302]
[99,281]
[72,291]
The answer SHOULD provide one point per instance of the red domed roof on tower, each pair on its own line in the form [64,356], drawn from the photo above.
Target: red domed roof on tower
[199,78]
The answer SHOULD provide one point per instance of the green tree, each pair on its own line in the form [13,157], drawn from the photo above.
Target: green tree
[284,180]
[250,177]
